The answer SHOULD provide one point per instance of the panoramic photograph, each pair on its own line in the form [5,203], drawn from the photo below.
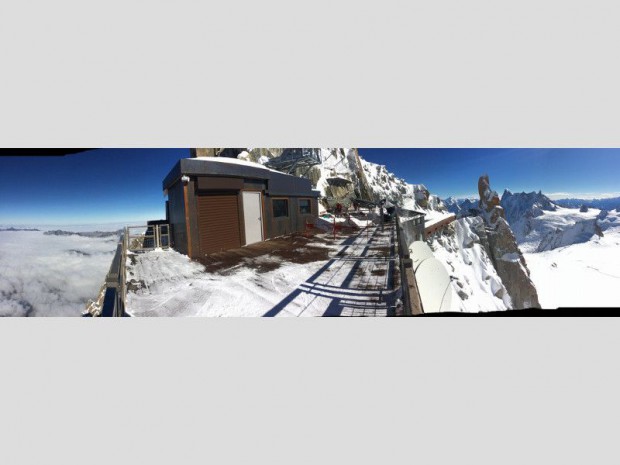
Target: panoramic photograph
[307,231]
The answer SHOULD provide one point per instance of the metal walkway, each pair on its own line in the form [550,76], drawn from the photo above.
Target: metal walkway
[361,280]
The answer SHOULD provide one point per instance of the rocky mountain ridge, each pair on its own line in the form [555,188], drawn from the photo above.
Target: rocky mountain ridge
[504,250]
[483,222]
[341,175]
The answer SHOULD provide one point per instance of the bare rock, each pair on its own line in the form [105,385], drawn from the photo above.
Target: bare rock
[501,245]
[511,266]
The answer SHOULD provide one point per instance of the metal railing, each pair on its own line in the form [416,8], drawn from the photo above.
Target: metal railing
[411,225]
[149,237]
[115,294]
[409,228]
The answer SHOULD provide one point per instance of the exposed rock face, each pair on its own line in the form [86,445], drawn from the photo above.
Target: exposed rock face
[511,267]
[462,207]
[525,205]
[341,176]
[504,251]
[489,201]
[464,250]
[421,195]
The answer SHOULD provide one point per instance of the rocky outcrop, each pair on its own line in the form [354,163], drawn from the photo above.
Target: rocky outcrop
[364,189]
[462,207]
[341,176]
[511,266]
[504,251]
[489,201]
[525,205]
[463,248]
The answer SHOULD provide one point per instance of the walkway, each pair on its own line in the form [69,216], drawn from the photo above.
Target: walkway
[437,224]
[361,280]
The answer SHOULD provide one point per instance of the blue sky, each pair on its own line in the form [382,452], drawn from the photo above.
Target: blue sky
[97,186]
[124,185]
[559,173]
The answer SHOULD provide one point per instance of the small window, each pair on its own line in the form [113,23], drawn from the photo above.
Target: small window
[305,208]
[280,208]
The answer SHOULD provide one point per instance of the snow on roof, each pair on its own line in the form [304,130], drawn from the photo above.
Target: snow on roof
[233,161]
[433,216]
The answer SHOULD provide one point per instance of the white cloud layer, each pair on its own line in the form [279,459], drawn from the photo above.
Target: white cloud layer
[43,275]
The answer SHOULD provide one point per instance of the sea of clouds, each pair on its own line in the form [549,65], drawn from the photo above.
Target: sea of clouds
[48,275]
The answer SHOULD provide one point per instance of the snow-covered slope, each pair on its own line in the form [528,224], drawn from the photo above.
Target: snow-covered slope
[581,275]
[343,174]
[581,231]
[522,208]
[473,276]
[418,197]
[384,185]
[532,230]
[572,253]
[461,207]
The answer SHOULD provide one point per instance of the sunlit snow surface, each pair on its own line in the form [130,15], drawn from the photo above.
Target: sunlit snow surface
[47,275]
[354,278]
[529,237]
[474,280]
[579,275]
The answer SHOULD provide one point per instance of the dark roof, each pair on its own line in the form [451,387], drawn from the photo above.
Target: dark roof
[277,183]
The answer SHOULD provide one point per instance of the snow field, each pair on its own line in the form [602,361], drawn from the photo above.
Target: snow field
[580,275]
[170,284]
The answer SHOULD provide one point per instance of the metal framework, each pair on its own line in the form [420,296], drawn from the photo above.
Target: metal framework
[114,289]
[151,237]
[291,159]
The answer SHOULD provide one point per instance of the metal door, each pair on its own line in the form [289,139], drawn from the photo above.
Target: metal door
[253,217]
[218,222]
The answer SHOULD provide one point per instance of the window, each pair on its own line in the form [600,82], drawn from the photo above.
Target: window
[305,207]
[280,208]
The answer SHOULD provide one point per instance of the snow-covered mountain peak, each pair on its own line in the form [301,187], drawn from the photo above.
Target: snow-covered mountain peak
[342,175]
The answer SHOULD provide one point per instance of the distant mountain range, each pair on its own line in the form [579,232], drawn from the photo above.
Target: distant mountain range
[525,205]
[461,207]
[19,229]
[540,223]
[59,232]
[602,204]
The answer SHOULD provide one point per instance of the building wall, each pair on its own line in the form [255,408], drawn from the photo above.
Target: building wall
[272,227]
[295,222]
[176,217]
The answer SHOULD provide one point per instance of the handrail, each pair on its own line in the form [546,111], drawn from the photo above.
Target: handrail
[115,285]
[412,304]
